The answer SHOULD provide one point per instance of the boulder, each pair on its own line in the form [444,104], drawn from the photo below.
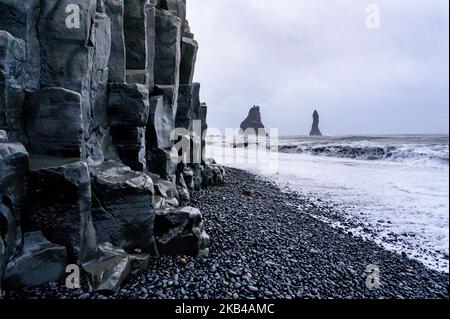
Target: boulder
[181,232]
[12,96]
[19,19]
[166,193]
[117,62]
[54,123]
[59,205]
[315,131]
[122,207]
[38,263]
[110,271]
[212,174]
[13,171]
[168,48]
[188,176]
[189,48]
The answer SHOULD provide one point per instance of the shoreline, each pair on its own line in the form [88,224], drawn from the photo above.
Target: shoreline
[262,246]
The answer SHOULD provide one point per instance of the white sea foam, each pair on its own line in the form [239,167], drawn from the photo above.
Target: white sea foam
[403,197]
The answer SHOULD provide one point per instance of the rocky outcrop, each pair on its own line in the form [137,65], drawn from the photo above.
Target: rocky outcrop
[91,92]
[253,125]
[13,169]
[123,212]
[38,262]
[59,205]
[180,231]
[315,131]
[54,123]
[12,95]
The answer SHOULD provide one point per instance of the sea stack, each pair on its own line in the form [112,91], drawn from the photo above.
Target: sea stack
[315,131]
[253,123]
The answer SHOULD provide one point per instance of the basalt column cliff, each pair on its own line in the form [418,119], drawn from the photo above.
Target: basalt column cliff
[90,174]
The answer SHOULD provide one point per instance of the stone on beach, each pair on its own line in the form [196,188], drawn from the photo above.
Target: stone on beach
[38,262]
[59,205]
[181,232]
[13,171]
[122,207]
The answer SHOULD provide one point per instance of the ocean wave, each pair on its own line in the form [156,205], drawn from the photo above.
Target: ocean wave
[371,152]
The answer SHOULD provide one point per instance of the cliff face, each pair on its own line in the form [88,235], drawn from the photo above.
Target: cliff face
[315,131]
[89,94]
[253,123]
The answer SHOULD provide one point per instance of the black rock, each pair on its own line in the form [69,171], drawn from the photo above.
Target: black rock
[117,63]
[315,131]
[13,171]
[253,125]
[39,262]
[110,271]
[19,19]
[59,205]
[12,96]
[128,105]
[181,232]
[97,135]
[122,207]
[54,123]
[189,48]
[168,48]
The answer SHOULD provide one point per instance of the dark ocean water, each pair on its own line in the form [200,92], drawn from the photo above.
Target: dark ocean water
[421,149]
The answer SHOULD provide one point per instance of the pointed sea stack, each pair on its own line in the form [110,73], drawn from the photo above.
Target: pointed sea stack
[315,131]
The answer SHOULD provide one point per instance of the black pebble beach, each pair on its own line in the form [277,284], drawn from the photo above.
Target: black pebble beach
[262,246]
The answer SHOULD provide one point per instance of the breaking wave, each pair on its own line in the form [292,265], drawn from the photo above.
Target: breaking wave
[368,150]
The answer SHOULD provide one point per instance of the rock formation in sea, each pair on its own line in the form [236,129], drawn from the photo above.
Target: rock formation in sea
[253,123]
[90,92]
[315,131]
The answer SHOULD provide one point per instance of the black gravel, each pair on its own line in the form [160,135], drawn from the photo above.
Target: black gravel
[263,247]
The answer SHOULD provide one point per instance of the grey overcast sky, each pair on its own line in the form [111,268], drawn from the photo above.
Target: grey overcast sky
[294,56]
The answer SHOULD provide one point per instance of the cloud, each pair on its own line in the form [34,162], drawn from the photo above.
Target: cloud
[293,56]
